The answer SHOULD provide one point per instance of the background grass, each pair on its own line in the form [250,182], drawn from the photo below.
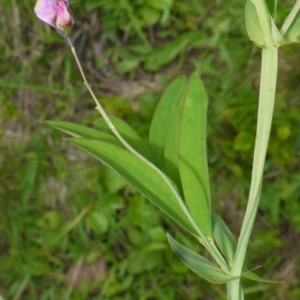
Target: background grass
[70,227]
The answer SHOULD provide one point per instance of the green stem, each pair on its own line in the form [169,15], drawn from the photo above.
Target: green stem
[264,122]
[209,246]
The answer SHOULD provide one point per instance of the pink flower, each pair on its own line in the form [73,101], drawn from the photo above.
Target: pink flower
[56,13]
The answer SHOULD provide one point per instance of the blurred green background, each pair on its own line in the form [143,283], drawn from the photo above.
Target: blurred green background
[70,227]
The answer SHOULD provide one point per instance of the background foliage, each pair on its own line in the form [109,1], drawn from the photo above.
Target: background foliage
[70,227]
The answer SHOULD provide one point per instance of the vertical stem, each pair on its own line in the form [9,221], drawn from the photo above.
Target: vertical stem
[233,294]
[264,122]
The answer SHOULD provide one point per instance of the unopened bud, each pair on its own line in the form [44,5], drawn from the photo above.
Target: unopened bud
[56,13]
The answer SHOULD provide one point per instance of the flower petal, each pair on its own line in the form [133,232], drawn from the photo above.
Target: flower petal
[44,11]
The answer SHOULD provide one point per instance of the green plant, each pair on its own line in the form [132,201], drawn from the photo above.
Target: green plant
[178,168]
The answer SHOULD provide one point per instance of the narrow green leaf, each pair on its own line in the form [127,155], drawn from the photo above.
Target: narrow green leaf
[140,175]
[199,264]
[128,133]
[80,131]
[171,151]
[163,114]
[223,237]
[193,166]
[252,276]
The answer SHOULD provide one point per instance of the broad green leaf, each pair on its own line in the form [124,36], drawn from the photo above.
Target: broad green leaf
[80,131]
[199,264]
[193,166]
[140,175]
[254,29]
[162,118]
[128,133]
[252,276]
[223,237]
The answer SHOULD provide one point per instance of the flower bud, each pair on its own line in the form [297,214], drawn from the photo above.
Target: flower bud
[56,13]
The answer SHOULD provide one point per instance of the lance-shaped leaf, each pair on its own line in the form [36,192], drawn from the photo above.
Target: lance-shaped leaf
[223,237]
[252,276]
[141,175]
[161,121]
[193,165]
[199,264]
[128,133]
[80,131]
[171,152]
